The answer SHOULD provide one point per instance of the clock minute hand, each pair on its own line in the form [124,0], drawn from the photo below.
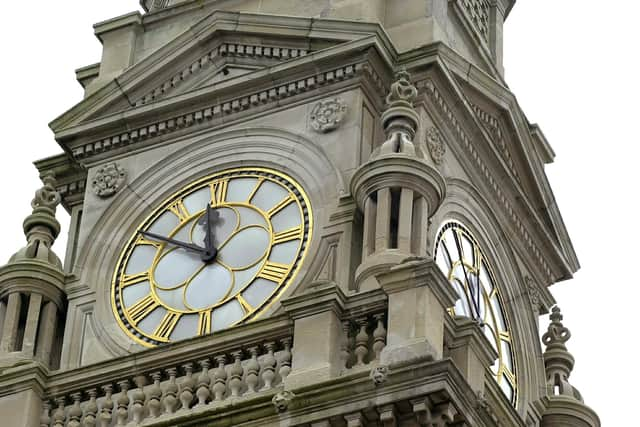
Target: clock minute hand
[211,251]
[188,246]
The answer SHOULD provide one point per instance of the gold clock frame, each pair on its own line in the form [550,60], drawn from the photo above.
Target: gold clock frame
[284,180]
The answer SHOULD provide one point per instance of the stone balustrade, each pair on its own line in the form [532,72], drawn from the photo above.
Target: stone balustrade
[364,338]
[219,370]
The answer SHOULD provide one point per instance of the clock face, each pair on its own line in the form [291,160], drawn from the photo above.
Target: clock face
[462,261]
[215,254]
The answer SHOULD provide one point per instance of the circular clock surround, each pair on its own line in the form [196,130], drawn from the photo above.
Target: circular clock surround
[163,292]
[460,257]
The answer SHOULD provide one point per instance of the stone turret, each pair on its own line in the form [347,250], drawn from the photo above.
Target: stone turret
[565,406]
[397,190]
[31,287]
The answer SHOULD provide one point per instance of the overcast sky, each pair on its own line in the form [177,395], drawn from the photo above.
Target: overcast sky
[573,65]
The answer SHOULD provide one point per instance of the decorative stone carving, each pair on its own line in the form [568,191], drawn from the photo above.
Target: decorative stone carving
[478,13]
[402,90]
[108,180]
[534,294]
[327,115]
[435,144]
[282,400]
[379,375]
[400,119]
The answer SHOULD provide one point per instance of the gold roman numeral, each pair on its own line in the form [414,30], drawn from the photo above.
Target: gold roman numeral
[286,235]
[255,189]
[245,305]
[179,210]
[281,205]
[132,279]
[219,192]
[274,271]
[167,325]
[142,309]
[505,336]
[204,323]
[144,241]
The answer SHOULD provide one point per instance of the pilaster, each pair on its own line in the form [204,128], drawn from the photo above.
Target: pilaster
[318,335]
[419,296]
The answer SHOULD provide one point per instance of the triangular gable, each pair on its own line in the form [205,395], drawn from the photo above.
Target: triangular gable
[216,48]
[492,134]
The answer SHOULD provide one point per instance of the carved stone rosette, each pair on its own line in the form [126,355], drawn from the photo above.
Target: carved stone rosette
[108,180]
[327,115]
[435,144]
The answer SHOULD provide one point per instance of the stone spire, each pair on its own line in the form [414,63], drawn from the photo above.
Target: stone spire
[564,401]
[32,286]
[397,190]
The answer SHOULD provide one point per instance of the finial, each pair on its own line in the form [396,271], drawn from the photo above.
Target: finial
[558,361]
[402,90]
[400,119]
[41,227]
[47,196]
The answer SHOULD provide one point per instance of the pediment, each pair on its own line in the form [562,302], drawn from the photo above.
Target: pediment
[214,50]
[504,154]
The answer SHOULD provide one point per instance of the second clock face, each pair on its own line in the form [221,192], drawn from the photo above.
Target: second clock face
[216,253]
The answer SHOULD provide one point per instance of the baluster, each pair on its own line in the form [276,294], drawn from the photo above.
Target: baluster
[204,381]
[285,359]
[58,416]
[45,418]
[154,394]
[170,392]
[235,383]
[269,365]
[75,412]
[362,341]
[186,395]
[137,408]
[106,415]
[91,409]
[253,369]
[379,335]
[220,375]
[345,345]
[122,413]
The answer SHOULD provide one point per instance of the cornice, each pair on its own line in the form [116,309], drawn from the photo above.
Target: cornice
[222,110]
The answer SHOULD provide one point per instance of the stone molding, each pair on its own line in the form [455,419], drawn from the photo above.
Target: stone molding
[225,49]
[436,97]
[492,124]
[266,96]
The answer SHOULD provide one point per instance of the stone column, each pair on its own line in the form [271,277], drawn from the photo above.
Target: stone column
[317,335]
[419,296]
[47,332]
[10,327]
[31,326]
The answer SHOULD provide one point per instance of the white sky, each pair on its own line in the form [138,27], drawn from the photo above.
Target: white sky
[573,65]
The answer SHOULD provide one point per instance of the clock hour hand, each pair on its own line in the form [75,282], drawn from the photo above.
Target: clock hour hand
[188,246]
[210,251]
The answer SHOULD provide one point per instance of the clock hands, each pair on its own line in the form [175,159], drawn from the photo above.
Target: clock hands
[210,251]
[188,246]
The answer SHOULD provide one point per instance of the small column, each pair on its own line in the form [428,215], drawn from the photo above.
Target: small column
[47,332]
[31,327]
[419,296]
[10,328]
[317,335]
[564,403]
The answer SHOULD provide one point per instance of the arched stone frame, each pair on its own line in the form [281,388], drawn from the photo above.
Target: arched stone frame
[465,205]
[198,156]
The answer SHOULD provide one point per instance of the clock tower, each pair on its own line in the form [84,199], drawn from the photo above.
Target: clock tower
[300,213]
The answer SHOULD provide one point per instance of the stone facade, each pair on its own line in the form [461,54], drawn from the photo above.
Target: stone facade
[387,118]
